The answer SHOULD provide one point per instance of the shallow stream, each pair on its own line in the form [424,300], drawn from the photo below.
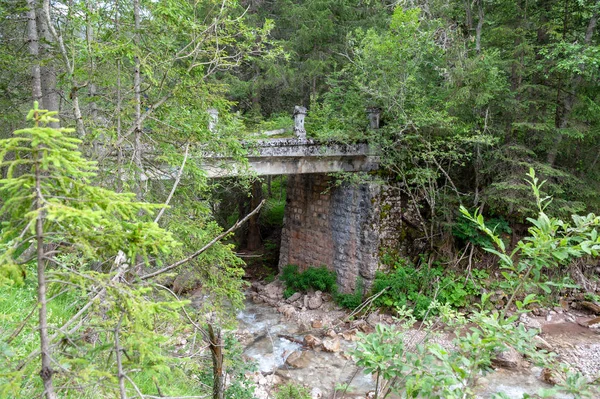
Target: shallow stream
[324,371]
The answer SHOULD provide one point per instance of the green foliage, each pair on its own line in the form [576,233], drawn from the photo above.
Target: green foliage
[429,370]
[271,214]
[552,243]
[353,300]
[292,391]
[406,285]
[318,278]
[464,230]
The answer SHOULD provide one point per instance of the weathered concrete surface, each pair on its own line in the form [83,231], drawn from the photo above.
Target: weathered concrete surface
[294,156]
[333,226]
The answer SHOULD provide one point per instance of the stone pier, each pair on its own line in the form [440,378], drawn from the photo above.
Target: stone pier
[335,226]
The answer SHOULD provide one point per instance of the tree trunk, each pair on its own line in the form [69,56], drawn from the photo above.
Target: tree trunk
[34,51]
[479,26]
[137,143]
[50,97]
[216,349]
[46,371]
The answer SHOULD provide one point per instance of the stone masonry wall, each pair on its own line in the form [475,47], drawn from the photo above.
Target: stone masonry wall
[332,226]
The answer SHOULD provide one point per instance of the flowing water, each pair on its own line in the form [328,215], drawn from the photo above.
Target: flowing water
[324,371]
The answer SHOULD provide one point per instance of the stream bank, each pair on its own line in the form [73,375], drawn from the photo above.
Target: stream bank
[305,339]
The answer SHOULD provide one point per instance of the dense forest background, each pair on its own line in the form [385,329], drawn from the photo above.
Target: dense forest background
[472,95]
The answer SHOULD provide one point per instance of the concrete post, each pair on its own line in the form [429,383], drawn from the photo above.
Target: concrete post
[299,114]
[213,119]
[374,114]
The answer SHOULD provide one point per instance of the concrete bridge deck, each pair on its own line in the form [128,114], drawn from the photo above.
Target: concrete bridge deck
[291,156]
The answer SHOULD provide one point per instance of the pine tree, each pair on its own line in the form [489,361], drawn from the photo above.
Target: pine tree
[50,204]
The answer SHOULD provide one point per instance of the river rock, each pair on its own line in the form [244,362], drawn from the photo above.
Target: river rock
[316,393]
[507,359]
[541,343]
[551,377]
[274,290]
[374,318]
[315,302]
[317,324]
[331,344]
[287,310]
[350,335]
[311,341]
[256,298]
[294,297]
[298,359]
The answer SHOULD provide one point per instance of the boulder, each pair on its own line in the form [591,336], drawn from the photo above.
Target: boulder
[274,290]
[315,302]
[507,359]
[317,324]
[331,344]
[287,310]
[350,335]
[298,359]
[311,341]
[294,297]
[542,344]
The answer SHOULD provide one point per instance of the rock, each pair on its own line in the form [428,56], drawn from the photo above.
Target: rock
[256,298]
[331,333]
[331,344]
[257,286]
[316,393]
[374,318]
[591,306]
[298,359]
[551,376]
[311,341]
[594,323]
[305,300]
[541,343]
[317,324]
[507,359]
[294,297]
[548,317]
[287,310]
[274,290]
[315,302]
[350,335]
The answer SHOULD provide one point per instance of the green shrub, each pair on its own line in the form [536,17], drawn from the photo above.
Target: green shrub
[351,301]
[406,284]
[318,278]
[292,391]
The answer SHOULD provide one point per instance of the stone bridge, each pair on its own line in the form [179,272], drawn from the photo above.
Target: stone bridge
[340,226]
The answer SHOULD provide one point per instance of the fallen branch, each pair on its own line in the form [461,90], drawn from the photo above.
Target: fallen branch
[233,228]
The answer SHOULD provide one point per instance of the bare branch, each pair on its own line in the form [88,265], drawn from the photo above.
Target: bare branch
[233,228]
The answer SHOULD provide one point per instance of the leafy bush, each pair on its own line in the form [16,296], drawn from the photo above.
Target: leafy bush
[351,301]
[429,370]
[419,286]
[466,231]
[292,391]
[318,278]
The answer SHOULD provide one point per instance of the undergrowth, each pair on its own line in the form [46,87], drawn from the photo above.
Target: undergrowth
[322,279]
